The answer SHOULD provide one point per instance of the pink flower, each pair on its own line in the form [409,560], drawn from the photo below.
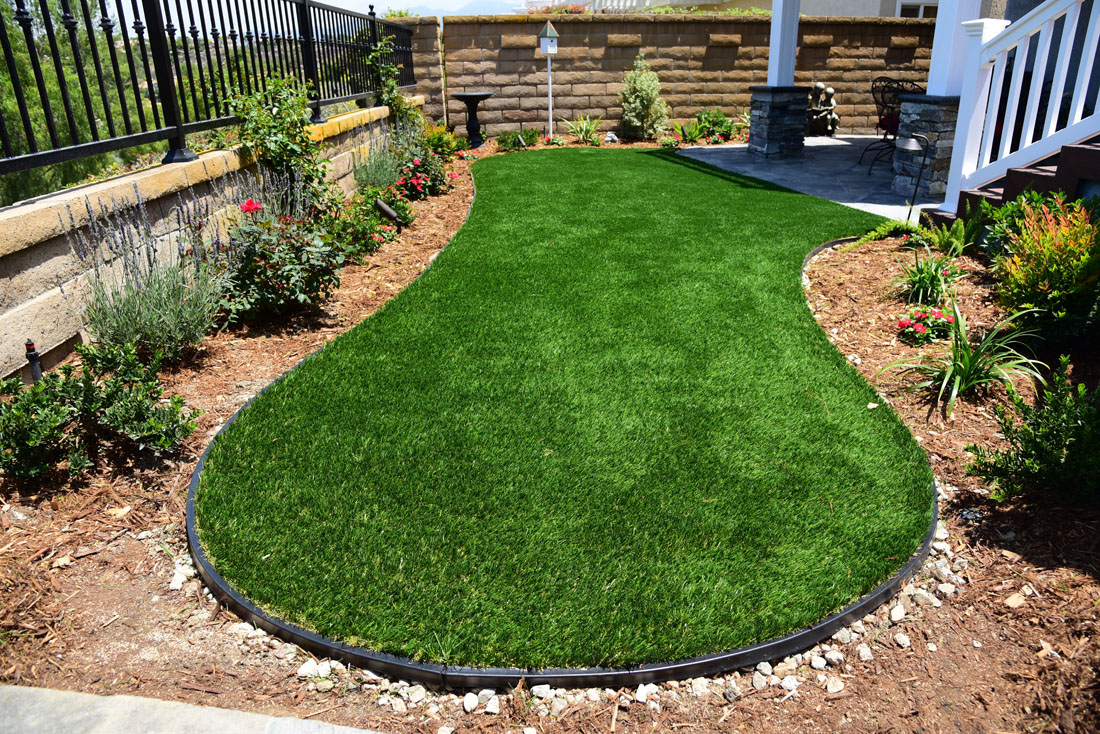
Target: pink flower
[950,319]
[936,314]
[416,161]
[920,315]
[250,206]
[904,324]
[454,175]
[920,328]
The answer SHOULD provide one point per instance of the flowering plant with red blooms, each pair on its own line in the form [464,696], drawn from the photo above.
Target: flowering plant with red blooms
[921,325]
[251,206]
[424,176]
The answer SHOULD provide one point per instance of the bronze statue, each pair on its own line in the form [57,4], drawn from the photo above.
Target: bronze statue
[822,118]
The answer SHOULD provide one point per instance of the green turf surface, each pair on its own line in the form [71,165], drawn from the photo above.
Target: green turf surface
[602,429]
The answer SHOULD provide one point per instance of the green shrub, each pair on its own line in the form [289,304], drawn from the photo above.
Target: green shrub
[645,114]
[380,62]
[68,414]
[968,367]
[1053,446]
[394,197]
[687,134]
[714,123]
[669,143]
[890,228]
[1051,264]
[928,280]
[955,240]
[274,128]
[425,176]
[517,139]
[441,141]
[277,264]
[585,129]
[358,229]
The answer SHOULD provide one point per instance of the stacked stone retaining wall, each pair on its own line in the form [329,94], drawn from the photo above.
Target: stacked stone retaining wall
[703,61]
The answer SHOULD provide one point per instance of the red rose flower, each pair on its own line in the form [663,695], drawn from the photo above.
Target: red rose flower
[251,206]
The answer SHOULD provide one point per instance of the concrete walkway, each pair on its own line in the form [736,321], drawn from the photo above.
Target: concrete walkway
[829,168]
[44,711]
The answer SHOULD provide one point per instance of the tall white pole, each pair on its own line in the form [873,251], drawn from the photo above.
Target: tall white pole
[549,96]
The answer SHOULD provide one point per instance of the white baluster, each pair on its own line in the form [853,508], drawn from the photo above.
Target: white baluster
[993,106]
[972,106]
[1054,102]
[1038,72]
[1014,91]
[1084,74]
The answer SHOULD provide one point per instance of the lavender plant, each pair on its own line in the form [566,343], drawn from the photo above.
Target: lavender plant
[164,294]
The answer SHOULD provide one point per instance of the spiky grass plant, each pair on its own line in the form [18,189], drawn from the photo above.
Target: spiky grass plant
[928,280]
[970,367]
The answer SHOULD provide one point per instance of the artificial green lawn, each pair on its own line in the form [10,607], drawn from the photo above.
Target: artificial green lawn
[602,429]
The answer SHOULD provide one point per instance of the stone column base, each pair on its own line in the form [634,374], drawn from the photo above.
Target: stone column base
[777,122]
[935,118]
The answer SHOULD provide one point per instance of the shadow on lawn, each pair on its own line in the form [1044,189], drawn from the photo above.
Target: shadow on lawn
[744,182]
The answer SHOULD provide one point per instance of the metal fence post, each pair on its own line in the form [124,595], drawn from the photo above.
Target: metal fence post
[309,59]
[166,83]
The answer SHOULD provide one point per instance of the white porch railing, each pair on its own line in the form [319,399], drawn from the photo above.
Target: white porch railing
[1023,97]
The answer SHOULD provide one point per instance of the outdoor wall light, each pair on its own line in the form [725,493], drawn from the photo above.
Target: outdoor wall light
[916,144]
[385,210]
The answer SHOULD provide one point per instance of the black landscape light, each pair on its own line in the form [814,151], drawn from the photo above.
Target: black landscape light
[916,144]
[385,210]
[33,361]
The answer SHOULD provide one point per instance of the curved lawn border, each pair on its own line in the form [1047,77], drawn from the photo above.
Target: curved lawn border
[458,677]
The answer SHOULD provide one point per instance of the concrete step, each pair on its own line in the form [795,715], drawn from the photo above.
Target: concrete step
[44,711]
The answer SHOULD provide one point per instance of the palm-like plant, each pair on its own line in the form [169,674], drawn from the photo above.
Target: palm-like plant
[972,367]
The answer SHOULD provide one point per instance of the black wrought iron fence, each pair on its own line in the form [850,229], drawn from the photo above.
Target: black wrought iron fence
[84,77]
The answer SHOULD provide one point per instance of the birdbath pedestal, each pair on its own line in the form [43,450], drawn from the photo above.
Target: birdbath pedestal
[473,126]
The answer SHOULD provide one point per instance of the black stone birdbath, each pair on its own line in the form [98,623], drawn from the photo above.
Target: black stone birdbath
[473,127]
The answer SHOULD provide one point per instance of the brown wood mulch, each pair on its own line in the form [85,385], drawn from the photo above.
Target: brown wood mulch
[84,568]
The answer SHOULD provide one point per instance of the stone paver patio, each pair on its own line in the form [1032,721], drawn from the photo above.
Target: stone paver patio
[829,168]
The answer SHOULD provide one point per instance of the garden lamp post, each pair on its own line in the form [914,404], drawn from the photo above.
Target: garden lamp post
[548,44]
[916,144]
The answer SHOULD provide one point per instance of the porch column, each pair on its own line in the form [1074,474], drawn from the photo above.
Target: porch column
[777,123]
[935,114]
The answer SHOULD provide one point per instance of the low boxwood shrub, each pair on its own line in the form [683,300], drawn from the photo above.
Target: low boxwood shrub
[1052,446]
[70,413]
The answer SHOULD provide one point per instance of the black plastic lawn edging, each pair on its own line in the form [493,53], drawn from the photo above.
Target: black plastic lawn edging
[460,677]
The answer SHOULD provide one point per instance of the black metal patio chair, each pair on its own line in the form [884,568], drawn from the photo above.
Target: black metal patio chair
[885,91]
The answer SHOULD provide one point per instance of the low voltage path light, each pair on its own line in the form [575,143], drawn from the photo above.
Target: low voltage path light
[548,44]
[916,144]
[386,211]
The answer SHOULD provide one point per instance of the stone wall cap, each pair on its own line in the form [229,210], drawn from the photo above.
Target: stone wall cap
[780,90]
[687,17]
[929,98]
